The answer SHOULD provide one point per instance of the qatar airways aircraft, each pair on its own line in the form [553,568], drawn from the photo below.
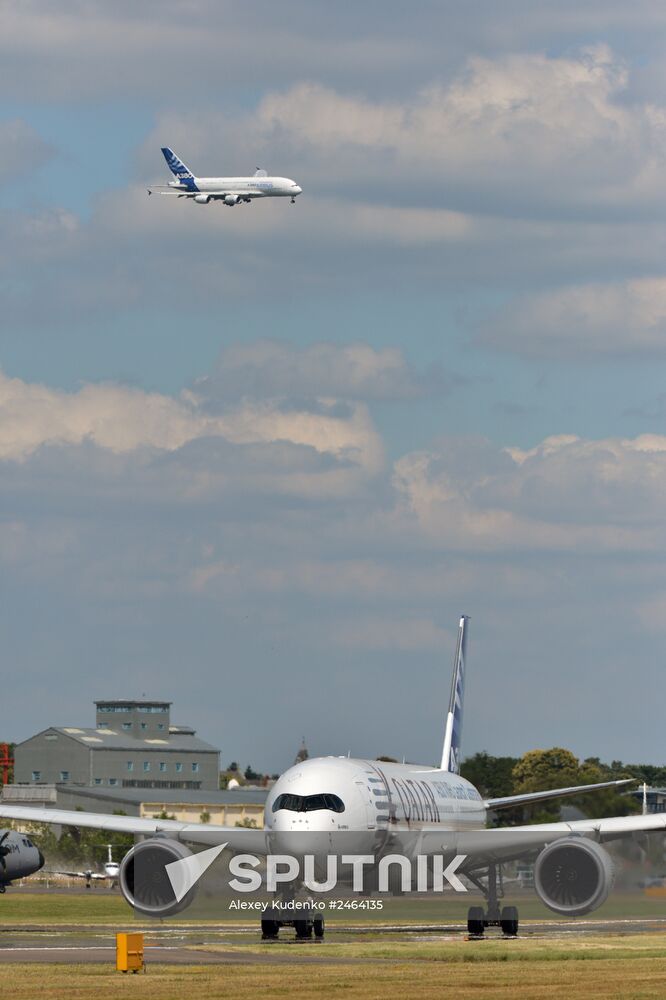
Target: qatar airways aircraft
[376,809]
[229,190]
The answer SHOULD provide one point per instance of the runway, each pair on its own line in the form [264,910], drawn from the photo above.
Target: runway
[238,945]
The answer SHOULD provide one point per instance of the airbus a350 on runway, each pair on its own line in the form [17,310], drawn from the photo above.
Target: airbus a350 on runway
[229,190]
[326,806]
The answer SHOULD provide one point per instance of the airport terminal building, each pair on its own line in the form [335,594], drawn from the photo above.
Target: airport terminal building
[133,745]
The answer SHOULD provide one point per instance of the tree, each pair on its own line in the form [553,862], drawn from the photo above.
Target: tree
[539,770]
[247,823]
[493,776]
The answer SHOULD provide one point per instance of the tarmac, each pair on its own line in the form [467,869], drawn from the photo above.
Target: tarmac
[204,945]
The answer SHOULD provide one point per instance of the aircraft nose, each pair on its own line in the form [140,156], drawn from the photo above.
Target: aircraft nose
[297,189]
[41,859]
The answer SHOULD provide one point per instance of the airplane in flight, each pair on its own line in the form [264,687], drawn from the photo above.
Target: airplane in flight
[229,190]
[19,857]
[380,808]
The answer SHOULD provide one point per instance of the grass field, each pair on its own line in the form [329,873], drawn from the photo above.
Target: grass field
[373,965]
[99,906]
[496,970]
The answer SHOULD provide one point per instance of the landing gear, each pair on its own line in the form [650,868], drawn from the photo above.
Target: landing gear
[305,925]
[303,929]
[509,921]
[493,890]
[293,201]
[270,930]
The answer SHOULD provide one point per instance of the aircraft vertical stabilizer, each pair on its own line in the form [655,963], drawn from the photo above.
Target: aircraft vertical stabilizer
[453,731]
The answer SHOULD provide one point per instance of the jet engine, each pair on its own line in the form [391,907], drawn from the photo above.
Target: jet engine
[144,880]
[573,876]
[231,199]
[202,199]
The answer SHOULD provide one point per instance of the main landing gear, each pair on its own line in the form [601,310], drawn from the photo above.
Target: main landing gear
[305,928]
[478,919]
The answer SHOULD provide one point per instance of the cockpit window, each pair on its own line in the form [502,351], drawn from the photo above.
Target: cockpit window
[309,803]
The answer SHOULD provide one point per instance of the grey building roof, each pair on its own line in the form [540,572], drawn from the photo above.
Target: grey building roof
[132,701]
[111,739]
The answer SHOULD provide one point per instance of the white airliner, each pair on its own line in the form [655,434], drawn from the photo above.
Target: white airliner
[377,808]
[230,190]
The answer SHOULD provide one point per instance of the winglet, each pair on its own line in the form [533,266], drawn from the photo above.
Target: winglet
[453,731]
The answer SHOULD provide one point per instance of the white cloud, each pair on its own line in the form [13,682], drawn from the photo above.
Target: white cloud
[566,495]
[625,318]
[123,420]
[521,134]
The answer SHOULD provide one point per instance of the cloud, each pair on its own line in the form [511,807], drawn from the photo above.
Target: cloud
[21,149]
[565,495]
[622,319]
[525,135]
[296,449]
[271,368]
[265,534]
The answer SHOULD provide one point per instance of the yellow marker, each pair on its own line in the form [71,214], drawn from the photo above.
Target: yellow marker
[129,952]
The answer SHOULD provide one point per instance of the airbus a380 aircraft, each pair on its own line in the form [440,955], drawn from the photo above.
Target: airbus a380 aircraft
[230,190]
[376,809]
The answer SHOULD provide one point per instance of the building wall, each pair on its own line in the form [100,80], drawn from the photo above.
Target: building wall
[49,755]
[52,757]
[138,719]
[219,814]
[127,768]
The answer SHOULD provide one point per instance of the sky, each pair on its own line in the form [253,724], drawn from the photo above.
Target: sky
[258,460]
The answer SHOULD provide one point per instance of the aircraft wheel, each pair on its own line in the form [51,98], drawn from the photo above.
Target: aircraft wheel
[303,929]
[319,927]
[269,930]
[509,921]
[475,924]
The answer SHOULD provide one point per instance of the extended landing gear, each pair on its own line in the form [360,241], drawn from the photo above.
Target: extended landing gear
[293,201]
[305,928]
[478,918]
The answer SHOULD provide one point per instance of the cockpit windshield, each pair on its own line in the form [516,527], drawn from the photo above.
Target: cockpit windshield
[309,803]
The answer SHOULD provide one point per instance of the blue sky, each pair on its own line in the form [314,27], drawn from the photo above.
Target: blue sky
[258,460]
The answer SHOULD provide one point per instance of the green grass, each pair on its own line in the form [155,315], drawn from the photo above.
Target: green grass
[104,907]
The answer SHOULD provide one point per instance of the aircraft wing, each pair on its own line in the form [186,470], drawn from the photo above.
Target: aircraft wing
[183,193]
[238,838]
[507,801]
[510,842]
[86,875]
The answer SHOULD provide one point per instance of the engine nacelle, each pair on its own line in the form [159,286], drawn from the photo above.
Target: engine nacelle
[202,199]
[573,876]
[231,199]
[144,880]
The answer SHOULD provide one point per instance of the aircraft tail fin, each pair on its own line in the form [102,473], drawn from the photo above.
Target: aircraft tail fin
[179,169]
[453,731]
